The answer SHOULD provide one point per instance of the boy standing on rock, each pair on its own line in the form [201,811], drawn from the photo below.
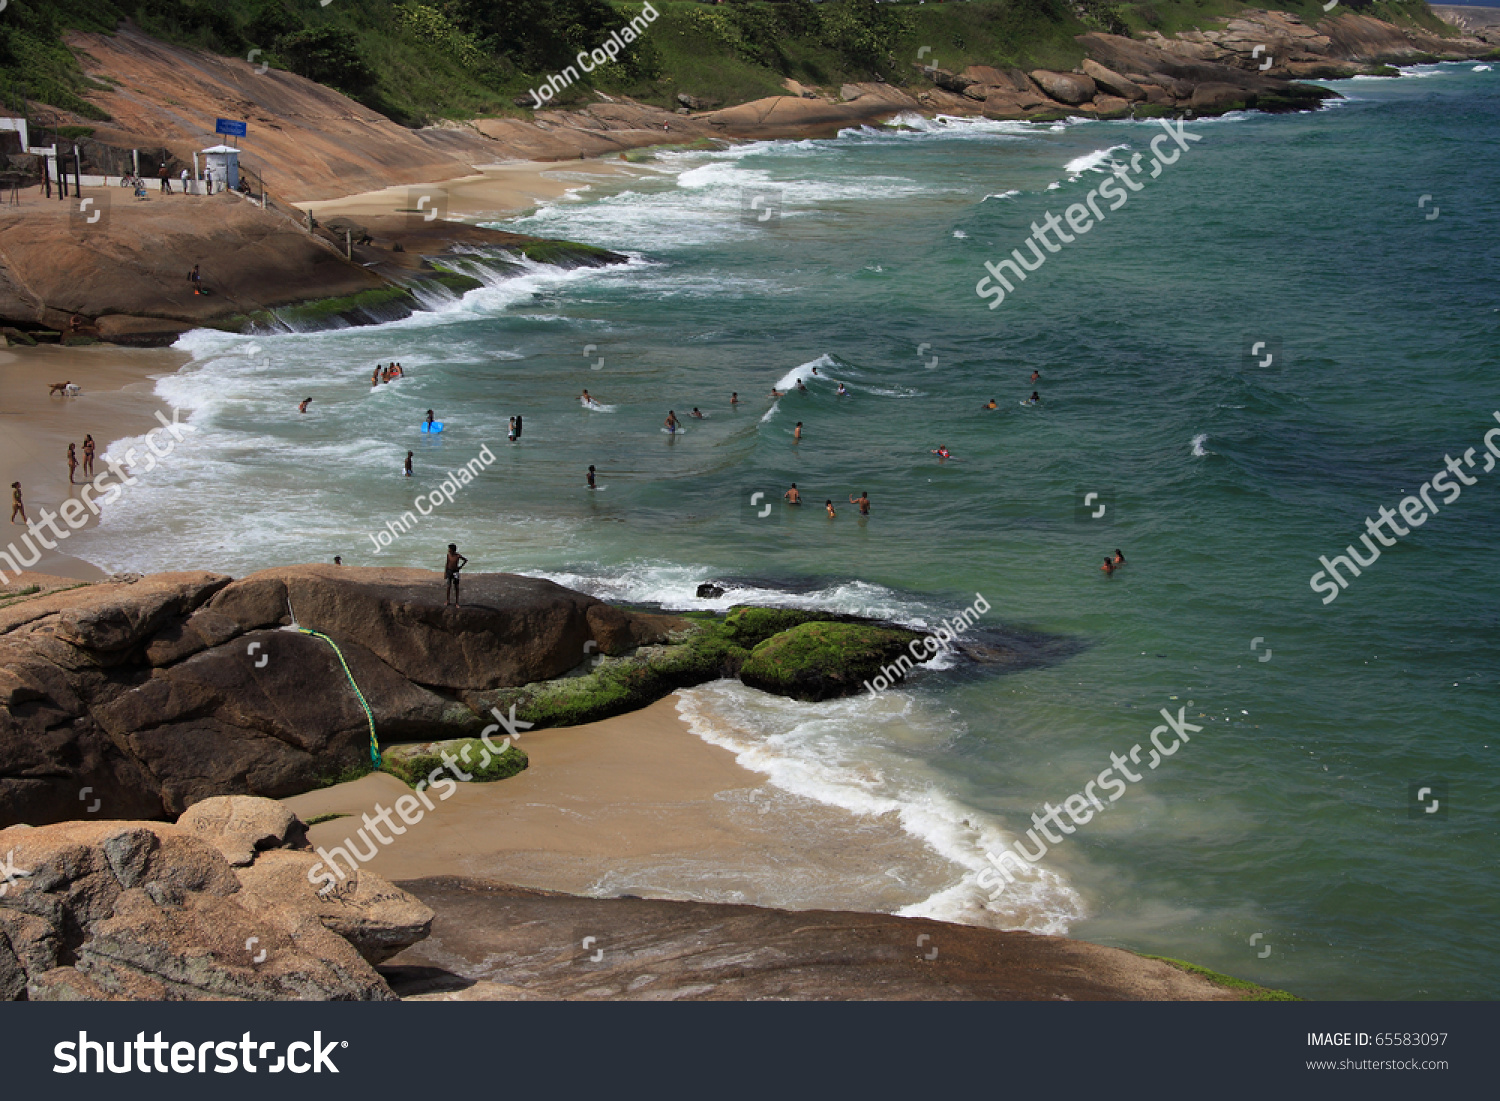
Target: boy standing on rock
[451,568]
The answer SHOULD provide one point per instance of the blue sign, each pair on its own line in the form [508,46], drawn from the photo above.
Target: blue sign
[232,127]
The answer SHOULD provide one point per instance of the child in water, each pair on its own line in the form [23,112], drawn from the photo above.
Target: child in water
[828,504]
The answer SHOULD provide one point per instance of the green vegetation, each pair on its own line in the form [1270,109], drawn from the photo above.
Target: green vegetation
[377,300]
[471,755]
[319,819]
[568,254]
[818,661]
[420,60]
[1251,992]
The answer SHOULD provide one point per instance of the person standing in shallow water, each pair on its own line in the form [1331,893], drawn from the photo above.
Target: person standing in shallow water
[72,463]
[408,464]
[451,568]
[16,504]
[591,478]
[88,457]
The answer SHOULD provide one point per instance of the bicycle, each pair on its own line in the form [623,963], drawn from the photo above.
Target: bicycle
[128,180]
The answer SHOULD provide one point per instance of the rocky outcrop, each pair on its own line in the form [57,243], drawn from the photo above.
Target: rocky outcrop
[149,911]
[820,661]
[1069,88]
[491,942]
[140,699]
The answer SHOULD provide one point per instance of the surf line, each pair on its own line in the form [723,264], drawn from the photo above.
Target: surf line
[445,493]
[601,55]
[927,647]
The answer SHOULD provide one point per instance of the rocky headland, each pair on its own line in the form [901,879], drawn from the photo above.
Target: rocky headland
[139,697]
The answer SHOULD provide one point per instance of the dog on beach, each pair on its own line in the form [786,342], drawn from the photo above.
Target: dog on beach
[62,388]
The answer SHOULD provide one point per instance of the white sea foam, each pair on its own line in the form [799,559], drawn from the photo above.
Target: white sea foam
[1198,441]
[858,754]
[1100,160]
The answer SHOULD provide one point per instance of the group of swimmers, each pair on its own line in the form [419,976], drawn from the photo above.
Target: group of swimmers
[1112,564]
[386,374]
[793,496]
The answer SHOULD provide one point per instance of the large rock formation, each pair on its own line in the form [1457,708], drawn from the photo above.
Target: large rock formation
[492,942]
[138,699]
[149,911]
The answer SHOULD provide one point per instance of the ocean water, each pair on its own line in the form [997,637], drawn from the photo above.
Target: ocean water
[1284,842]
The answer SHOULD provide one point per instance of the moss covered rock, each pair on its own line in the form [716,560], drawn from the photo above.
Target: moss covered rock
[414,764]
[821,660]
[749,627]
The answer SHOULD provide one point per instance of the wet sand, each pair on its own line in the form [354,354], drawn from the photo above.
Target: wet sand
[499,190]
[640,805]
[117,400]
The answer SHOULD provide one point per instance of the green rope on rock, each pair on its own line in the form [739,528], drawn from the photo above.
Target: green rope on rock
[374,744]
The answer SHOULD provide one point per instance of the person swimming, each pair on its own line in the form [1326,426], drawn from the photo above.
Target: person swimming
[863,501]
[775,393]
[375,376]
[840,392]
[429,416]
[1036,376]
[942,453]
[1119,557]
[991,404]
[793,496]
[797,432]
[800,387]
[302,407]
[1108,567]
[586,399]
[698,412]
[1035,399]
[828,504]
[734,398]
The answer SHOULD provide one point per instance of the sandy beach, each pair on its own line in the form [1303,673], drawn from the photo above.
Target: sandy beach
[498,190]
[640,805]
[116,401]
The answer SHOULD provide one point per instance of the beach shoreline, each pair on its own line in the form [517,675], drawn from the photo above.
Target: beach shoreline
[637,804]
[116,400]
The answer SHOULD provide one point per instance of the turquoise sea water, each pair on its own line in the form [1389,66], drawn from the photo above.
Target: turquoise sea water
[1289,815]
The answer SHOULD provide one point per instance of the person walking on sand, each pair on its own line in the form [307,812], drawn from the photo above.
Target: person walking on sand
[166,181]
[303,404]
[196,280]
[408,464]
[451,568]
[863,501]
[793,496]
[184,181]
[16,504]
[88,456]
[72,464]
